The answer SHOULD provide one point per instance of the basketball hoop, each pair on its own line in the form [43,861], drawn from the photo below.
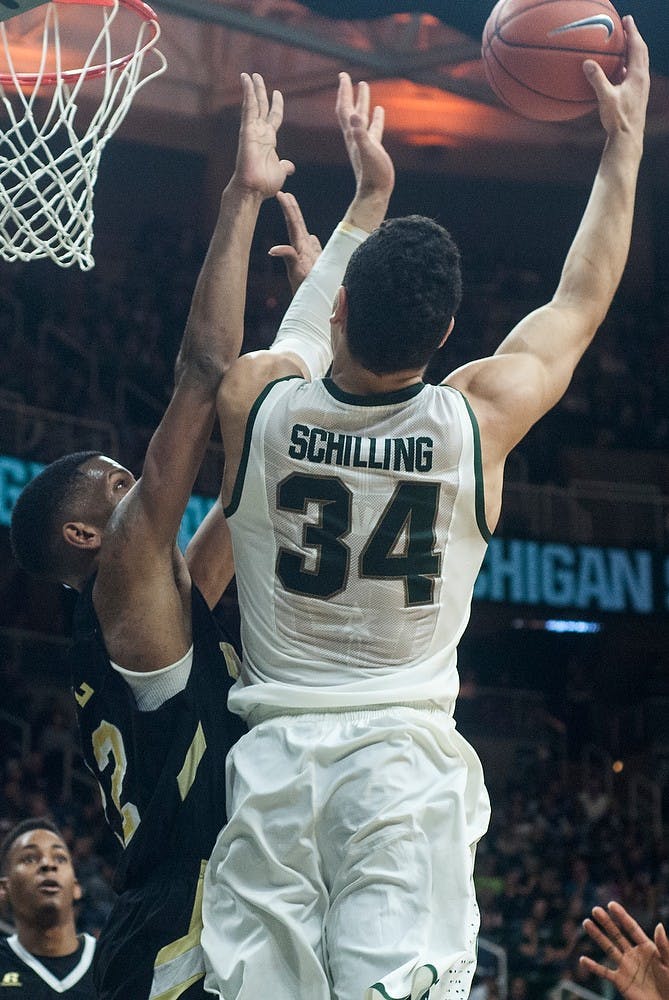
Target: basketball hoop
[50,153]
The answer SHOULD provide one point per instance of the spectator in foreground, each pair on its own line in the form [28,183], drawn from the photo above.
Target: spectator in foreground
[45,956]
[639,967]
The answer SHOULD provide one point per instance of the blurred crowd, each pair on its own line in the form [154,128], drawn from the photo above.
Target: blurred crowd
[558,845]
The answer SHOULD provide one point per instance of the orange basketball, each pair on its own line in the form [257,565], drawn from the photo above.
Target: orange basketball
[533,53]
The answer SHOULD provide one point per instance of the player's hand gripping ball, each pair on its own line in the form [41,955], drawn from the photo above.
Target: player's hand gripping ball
[533,52]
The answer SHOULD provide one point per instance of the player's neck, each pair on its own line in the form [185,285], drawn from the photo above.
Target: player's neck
[49,942]
[352,378]
[78,576]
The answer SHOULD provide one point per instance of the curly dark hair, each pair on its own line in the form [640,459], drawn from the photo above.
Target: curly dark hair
[403,285]
[32,531]
[25,826]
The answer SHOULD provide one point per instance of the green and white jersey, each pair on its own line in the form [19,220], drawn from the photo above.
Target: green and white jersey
[359,529]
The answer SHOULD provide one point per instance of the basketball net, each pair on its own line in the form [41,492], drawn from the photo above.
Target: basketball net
[50,153]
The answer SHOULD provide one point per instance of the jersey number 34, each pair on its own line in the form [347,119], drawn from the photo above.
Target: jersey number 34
[401,545]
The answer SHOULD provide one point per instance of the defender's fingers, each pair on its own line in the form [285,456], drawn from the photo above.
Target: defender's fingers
[378,123]
[344,103]
[361,134]
[275,113]
[662,943]
[599,970]
[288,167]
[611,928]
[600,938]
[286,200]
[297,227]
[283,250]
[362,102]
[249,102]
[261,95]
[627,923]
[289,206]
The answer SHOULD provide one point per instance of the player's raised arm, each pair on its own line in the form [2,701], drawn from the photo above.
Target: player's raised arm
[214,329]
[532,367]
[372,166]
[303,340]
[639,966]
[209,553]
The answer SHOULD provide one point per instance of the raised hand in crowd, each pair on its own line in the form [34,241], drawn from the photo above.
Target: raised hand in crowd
[639,965]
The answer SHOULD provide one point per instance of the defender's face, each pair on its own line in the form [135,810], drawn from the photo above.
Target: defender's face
[39,881]
[108,482]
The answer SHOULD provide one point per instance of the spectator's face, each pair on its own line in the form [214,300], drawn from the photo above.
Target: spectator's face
[518,989]
[39,881]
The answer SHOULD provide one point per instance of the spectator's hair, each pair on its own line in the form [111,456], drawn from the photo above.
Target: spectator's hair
[25,826]
[403,286]
[33,529]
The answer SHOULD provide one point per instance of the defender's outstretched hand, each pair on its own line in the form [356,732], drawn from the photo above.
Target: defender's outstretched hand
[622,107]
[304,248]
[258,167]
[640,966]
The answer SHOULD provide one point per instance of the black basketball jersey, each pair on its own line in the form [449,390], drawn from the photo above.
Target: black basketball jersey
[30,976]
[162,777]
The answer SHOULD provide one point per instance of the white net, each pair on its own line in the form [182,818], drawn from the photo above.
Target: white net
[49,150]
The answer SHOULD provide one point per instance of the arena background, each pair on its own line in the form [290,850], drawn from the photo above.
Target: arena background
[565,691]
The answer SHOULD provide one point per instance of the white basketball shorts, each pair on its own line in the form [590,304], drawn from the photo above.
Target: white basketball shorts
[346,869]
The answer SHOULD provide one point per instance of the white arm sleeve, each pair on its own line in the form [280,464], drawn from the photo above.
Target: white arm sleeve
[305,329]
[154,687]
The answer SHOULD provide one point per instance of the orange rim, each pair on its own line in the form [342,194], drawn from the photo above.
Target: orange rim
[143,11]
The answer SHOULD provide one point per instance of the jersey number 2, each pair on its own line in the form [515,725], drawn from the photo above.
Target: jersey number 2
[401,544]
[108,742]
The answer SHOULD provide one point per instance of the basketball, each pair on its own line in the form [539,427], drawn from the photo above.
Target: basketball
[533,53]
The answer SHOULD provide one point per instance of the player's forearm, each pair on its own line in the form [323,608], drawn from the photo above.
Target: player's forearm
[368,208]
[554,337]
[598,254]
[558,333]
[209,555]
[215,326]
[305,328]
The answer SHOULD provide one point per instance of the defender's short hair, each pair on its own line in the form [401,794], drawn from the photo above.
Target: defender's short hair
[25,826]
[32,531]
[403,286]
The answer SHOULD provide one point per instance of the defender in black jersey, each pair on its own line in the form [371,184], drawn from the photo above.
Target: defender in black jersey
[149,665]
[44,957]
[172,762]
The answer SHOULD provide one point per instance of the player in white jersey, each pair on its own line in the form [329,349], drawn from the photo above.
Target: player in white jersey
[360,506]
[391,557]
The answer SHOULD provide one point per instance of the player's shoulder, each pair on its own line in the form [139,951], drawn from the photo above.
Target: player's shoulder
[14,972]
[251,373]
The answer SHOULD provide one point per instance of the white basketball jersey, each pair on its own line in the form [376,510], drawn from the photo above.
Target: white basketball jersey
[359,529]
